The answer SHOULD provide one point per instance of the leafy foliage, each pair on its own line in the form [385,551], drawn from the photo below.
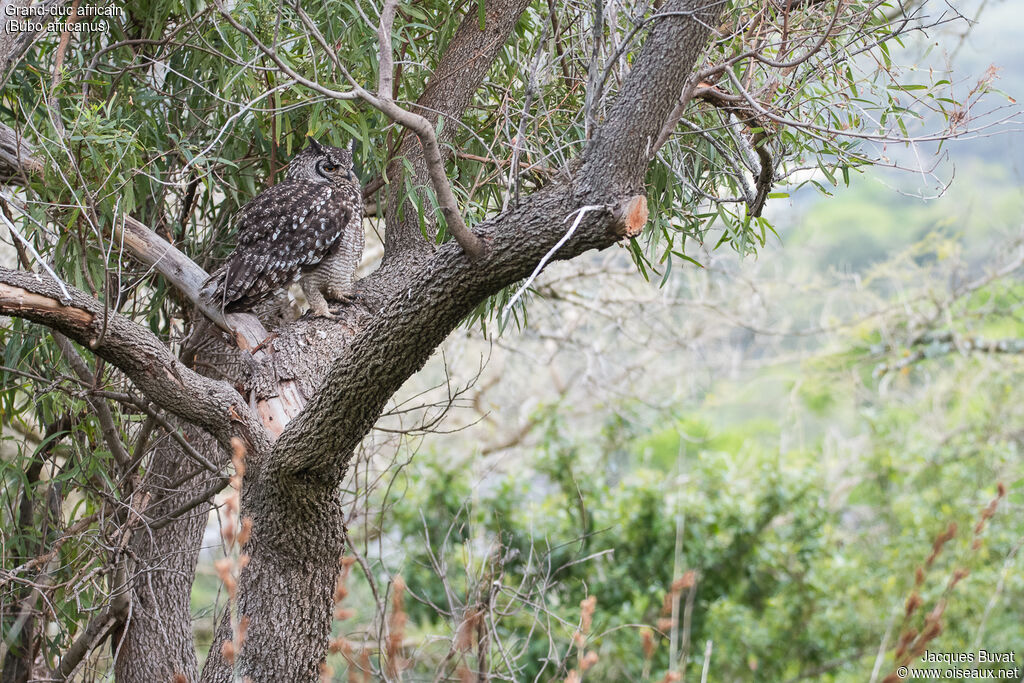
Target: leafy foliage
[804,558]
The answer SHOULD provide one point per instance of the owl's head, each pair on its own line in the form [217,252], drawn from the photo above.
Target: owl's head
[323,164]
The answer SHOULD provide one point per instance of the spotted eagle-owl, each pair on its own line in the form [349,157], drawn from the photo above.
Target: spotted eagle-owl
[307,228]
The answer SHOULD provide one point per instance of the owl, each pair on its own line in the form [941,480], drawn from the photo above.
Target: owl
[307,228]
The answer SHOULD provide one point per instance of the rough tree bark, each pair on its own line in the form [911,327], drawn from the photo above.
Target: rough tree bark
[291,484]
[156,641]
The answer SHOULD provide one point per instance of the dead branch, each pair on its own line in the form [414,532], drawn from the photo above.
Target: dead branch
[159,254]
[23,303]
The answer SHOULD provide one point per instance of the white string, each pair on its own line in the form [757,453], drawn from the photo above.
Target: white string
[35,254]
[580,213]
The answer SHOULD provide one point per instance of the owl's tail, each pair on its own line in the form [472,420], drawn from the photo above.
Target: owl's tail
[214,292]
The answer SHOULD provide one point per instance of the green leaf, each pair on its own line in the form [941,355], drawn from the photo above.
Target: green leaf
[828,174]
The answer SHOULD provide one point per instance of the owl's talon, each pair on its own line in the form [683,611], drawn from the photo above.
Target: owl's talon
[310,314]
[346,298]
[340,304]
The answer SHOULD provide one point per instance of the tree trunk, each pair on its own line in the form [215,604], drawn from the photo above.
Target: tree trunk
[287,590]
[156,642]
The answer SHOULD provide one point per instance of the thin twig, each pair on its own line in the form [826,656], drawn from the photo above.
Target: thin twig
[106,418]
[196,500]
[144,406]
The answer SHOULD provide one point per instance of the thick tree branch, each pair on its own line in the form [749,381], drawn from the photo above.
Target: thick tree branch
[181,271]
[449,92]
[248,333]
[137,352]
[619,152]
[412,321]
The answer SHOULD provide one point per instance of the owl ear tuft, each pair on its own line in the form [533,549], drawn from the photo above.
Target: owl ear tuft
[351,142]
[315,144]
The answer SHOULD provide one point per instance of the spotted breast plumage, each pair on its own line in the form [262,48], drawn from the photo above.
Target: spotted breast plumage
[307,228]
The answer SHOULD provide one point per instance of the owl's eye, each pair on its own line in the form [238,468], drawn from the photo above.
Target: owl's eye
[329,167]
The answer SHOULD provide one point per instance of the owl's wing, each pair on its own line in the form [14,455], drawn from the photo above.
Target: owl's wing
[290,227]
